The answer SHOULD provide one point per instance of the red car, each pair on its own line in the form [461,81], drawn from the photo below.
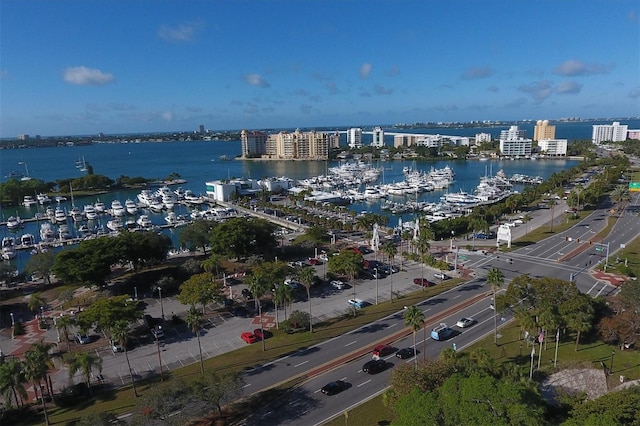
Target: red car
[261,334]
[383,350]
[423,282]
[249,337]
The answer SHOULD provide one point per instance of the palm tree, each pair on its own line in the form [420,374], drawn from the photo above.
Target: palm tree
[37,363]
[36,302]
[422,245]
[84,362]
[258,285]
[120,333]
[414,318]
[477,224]
[63,323]
[406,236]
[390,250]
[12,382]
[620,194]
[194,321]
[306,278]
[283,295]
[495,279]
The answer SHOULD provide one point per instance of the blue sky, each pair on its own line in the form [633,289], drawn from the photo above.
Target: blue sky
[83,67]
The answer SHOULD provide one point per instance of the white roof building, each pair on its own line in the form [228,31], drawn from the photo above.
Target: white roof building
[609,133]
[553,147]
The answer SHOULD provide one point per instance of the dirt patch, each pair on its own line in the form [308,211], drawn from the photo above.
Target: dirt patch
[590,381]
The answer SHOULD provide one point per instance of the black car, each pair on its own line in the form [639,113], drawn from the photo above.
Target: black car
[374,366]
[239,311]
[333,388]
[246,293]
[406,353]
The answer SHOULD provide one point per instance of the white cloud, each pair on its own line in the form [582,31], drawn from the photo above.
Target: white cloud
[168,116]
[365,70]
[568,87]
[181,33]
[476,73]
[539,90]
[256,80]
[84,76]
[574,67]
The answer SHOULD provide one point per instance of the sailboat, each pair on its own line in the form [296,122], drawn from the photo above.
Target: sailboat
[81,164]
[26,176]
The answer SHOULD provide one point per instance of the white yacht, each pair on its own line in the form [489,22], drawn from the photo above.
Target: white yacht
[100,207]
[43,199]
[131,207]
[59,199]
[50,213]
[59,215]
[115,224]
[14,222]
[117,209]
[146,197]
[27,240]
[76,214]
[47,234]
[156,206]
[191,198]
[29,201]
[64,233]
[8,248]
[171,219]
[144,222]
[90,212]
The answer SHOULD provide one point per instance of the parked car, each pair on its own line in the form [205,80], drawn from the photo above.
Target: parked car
[158,333]
[442,332]
[116,347]
[356,303]
[249,337]
[383,350]
[423,282]
[374,366]
[465,322]
[262,334]
[335,387]
[246,293]
[406,353]
[83,339]
[338,284]
[239,311]
[441,276]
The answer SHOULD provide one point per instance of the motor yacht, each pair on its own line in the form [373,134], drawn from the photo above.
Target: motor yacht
[90,212]
[76,214]
[14,222]
[8,248]
[29,201]
[117,209]
[59,215]
[43,199]
[144,222]
[47,234]
[115,224]
[100,207]
[131,207]
[146,197]
[27,240]
[64,233]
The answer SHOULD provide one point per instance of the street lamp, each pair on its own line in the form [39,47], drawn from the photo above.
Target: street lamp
[13,326]
[161,304]
[375,270]
[158,330]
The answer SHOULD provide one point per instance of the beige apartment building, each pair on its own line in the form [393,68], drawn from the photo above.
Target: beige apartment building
[299,145]
[544,130]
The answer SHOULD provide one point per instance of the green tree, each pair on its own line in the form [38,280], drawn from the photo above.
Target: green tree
[201,290]
[194,321]
[215,389]
[347,262]
[495,278]
[414,318]
[105,312]
[282,296]
[196,235]
[12,382]
[40,264]
[36,302]
[306,276]
[37,363]
[85,363]
[63,323]
[390,250]
[259,285]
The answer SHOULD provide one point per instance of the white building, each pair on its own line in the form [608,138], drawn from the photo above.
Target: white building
[482,138]
[221,190]
[354,137]
[609,133]
[511,134]
[553,147]
[514,144]
[378,138]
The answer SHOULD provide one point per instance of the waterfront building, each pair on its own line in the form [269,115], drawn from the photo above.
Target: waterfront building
[482,138]
[633,135]
[511,134]
[221,190]
[254,143]
[553,147]
[201,129]
[378,138]
[277,184]
[354,137]
[609,133]
[543,130]
[299,145]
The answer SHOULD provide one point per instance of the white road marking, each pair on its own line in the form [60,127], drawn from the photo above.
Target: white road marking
[349,344]
[302,363]
[364,383]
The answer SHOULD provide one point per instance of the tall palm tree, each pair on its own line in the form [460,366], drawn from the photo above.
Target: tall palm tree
[390,250]
[36,302]
[414,318]
[258,285]
[620,194]
[495,278]
[306,278]
[120,333]
[37,363]
[477,224]
[422,245]
[63,323]
[12,381]
[85,363]
[283,295]
[194,321]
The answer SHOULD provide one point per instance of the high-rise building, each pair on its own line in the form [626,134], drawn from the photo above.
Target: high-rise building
[254,143]
[512,134]
[201,129]
[378,138]
[543,130]
[299,145]
[553,147]
[514,144]
[482,138]
[609,133]
[354,137]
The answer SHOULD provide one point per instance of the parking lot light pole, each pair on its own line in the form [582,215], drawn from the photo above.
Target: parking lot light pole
[161,304]
[13,326]
[376,272]
[159,356]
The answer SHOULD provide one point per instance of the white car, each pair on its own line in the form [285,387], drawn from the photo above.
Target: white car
[116,347]
[465,322]
[440,275]
[338,284]
[356,303]
[83,339]
[518,221]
